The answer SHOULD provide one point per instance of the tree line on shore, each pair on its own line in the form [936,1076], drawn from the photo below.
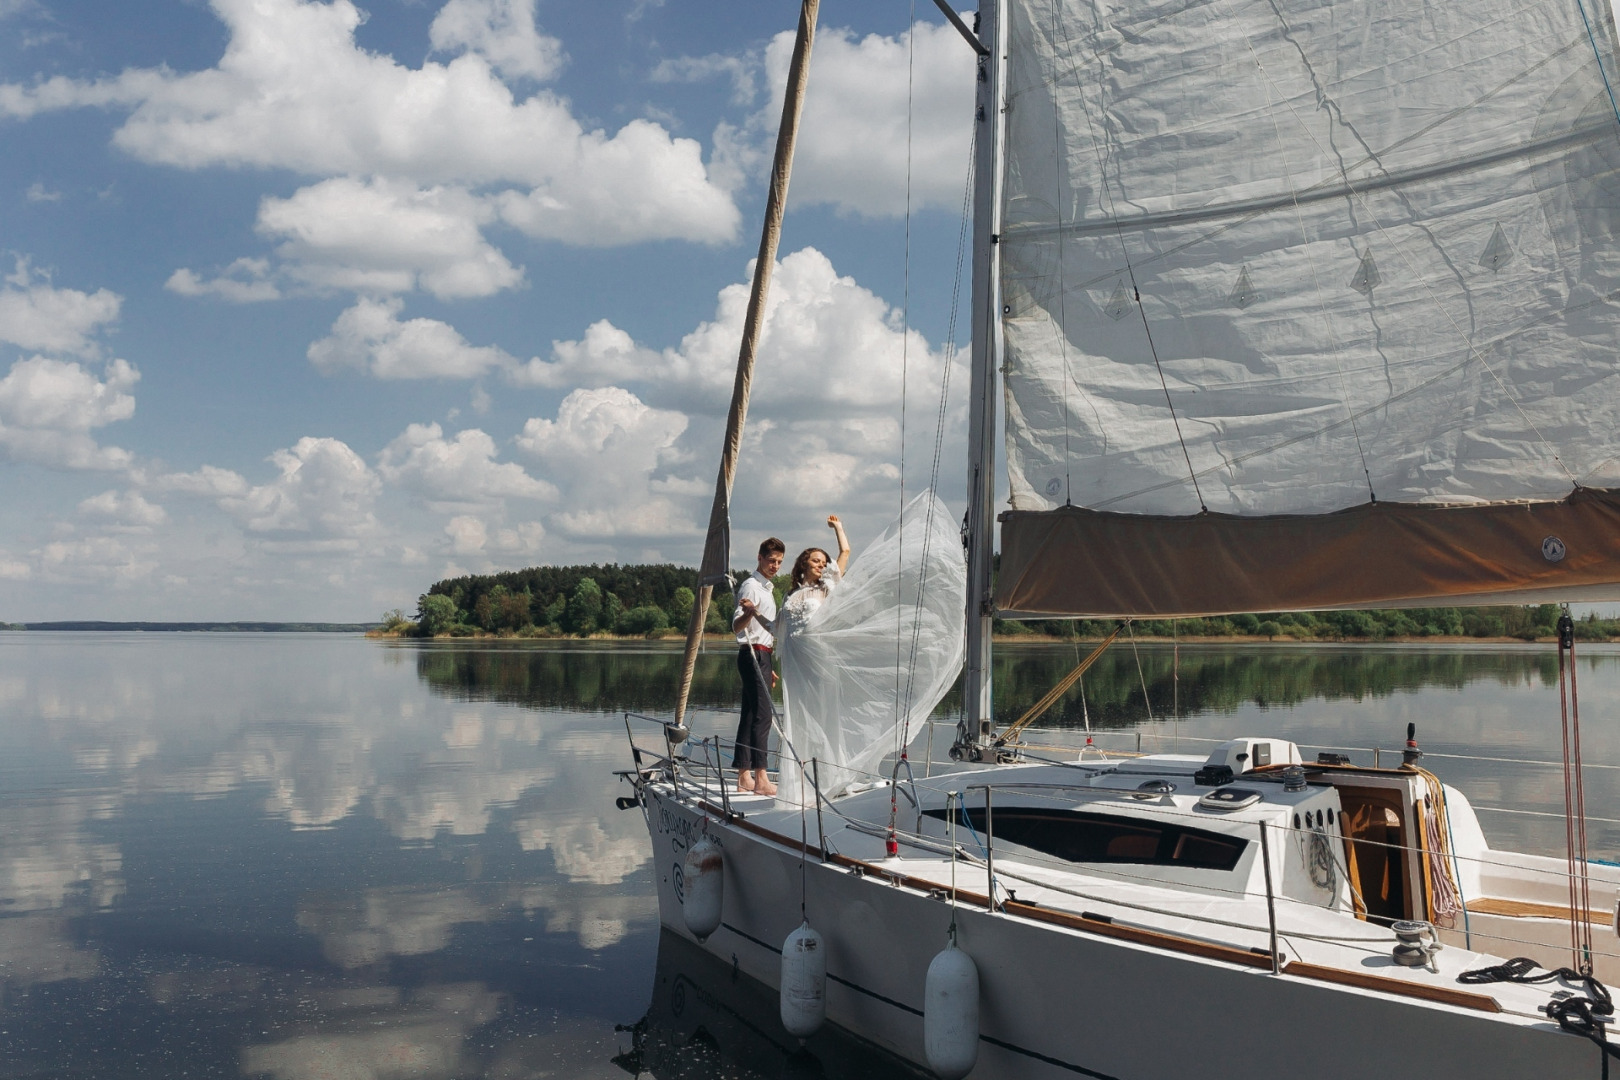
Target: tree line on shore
[655,600]
[543,601]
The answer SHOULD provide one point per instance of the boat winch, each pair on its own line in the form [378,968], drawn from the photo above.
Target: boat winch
[804,982]
[703,879]
[1411,950]
[951,1013]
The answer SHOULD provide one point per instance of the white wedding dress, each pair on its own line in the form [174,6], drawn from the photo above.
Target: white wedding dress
[868,654]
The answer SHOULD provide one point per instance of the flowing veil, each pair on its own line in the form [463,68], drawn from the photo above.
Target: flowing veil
[877,656]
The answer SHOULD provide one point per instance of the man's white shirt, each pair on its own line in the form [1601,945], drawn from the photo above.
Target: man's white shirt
[756,587]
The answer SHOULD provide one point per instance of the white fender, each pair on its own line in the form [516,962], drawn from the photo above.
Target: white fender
[804,982]
[704,881]
[951,1014]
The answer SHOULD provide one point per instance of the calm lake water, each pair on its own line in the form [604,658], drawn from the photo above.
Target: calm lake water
[301,856]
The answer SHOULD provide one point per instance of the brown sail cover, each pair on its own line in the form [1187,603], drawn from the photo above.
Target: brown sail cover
[1072,562]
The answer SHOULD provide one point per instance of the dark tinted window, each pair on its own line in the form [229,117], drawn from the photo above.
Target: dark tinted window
[1079,836]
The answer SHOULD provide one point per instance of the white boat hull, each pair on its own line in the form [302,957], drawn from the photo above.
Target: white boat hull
[1059,1002]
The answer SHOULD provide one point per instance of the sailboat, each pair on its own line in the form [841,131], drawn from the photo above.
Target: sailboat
[1289,306]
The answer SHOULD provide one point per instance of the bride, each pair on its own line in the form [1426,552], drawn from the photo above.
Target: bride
[814,577]
[867,650]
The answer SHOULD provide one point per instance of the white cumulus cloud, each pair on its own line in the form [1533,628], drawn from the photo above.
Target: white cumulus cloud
[127,510]
[467,534]
[852,144]
[387,236]
[604,355]
[741,71]
[294,91]
[35,315]
[49,407]
[371,337]
[607,450]
[94,560]
[502,32]
[460,470]
[210,481]
[244,281]
[324,489]
[830,348]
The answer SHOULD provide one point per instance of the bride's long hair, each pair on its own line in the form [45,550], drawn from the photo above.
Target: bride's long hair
[801,568]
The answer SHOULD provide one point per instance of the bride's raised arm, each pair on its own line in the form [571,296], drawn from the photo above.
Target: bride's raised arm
[843,542]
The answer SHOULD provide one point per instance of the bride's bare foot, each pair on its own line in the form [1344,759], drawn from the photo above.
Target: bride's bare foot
[745,780]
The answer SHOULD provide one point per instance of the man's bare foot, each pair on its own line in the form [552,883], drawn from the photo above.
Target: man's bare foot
[745,780]
[762,783]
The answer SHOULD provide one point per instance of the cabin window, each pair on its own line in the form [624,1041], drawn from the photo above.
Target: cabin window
[1078,836]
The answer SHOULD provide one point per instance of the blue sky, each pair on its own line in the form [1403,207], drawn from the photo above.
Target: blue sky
[309,304]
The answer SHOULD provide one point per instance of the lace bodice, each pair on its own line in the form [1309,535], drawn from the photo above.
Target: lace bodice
[802,604]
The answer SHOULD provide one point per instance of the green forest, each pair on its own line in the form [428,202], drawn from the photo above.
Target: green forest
[651,601]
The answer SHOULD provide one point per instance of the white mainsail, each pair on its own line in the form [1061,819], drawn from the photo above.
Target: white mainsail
[1288,259]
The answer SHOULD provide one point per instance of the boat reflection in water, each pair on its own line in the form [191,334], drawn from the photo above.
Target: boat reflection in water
[708,1020]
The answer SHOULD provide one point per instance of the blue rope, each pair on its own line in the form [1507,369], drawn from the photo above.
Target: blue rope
[962,809]
[1590,36]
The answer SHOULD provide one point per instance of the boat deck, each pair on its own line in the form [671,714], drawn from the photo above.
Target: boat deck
[1322,942]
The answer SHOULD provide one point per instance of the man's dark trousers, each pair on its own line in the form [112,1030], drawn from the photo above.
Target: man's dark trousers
[754,729]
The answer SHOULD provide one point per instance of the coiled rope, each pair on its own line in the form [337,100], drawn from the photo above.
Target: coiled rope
[1583,1016]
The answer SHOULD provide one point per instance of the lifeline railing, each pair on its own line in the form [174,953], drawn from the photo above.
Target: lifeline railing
[709,768]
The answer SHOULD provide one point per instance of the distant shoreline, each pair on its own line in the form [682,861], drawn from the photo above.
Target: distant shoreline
[198,627]
[1007,639]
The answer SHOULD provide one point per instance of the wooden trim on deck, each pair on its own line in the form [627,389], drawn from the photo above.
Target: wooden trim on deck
[1444,995]
[1099,925]
[1528,909]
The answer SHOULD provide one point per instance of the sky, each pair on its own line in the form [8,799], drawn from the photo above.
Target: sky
[307,304]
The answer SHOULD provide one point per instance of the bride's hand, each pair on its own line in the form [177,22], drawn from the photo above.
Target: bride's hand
[833,522]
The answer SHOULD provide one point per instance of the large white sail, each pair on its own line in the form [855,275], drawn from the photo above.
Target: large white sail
[1264,258]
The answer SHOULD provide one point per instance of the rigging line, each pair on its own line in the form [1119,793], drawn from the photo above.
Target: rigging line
[939,442]
[1598,56]
[1141,309]
[1472,352]
[1136,292]
[1130,625]
[1316,282]
[1062,294]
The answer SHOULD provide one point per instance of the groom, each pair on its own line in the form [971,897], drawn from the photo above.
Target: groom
[753,622]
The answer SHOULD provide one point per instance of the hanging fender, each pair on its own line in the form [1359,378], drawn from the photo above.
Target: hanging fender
[704,877]
[951,1014]
[804,982]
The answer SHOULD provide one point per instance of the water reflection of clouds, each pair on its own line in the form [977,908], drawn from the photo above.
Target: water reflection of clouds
[457,791]
[379,1033]
[40,949]
[48,859]
[359,929]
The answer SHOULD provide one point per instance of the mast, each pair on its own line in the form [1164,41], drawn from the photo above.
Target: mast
[717,544]
[974,731]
